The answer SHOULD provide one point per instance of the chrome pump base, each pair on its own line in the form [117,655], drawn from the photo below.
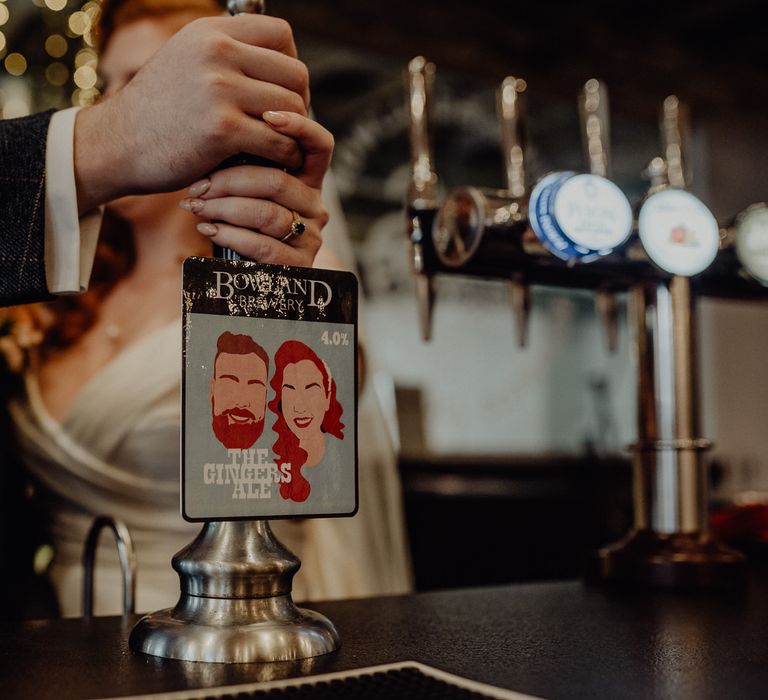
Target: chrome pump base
[669,546]
[235,604]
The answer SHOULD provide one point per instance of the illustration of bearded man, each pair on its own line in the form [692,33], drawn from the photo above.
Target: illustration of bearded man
[239,390]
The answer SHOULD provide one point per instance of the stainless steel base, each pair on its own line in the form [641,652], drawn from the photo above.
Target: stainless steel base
[200,629]
[679,560]
[235,604]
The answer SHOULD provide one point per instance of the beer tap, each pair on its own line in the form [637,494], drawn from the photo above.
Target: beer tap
[481,230]
[422,193]
[570,217]
[571,232]
[236,578]
[670,545]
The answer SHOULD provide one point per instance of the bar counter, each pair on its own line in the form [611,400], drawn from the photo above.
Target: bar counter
[553,640]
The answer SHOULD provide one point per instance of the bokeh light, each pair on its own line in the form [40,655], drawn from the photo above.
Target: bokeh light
[4,15]
[56,45]
[84,98]
[15,64]
[86,57]
[57,74]
[79,23]
[56,5]
[2,42]
[85,77]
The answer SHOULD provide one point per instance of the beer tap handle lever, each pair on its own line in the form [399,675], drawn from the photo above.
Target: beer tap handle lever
[508,99]
[508,102]
[675,134]
[422,191]
[595,125]
[595,132]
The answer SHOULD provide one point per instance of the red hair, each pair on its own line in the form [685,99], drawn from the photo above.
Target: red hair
[118,13]
[287,447]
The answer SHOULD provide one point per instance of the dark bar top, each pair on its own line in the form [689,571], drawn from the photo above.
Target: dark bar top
[554,640]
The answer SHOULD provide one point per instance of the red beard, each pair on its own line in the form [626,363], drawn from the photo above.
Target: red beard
[237,436]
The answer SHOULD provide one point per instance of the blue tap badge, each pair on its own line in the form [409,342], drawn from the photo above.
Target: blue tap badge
[579,217]
[269,397]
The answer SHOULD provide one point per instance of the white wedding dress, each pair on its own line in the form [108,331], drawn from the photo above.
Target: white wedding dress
[116,452]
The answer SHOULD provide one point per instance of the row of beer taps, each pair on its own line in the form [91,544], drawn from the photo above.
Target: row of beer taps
[579,230]
[572,229]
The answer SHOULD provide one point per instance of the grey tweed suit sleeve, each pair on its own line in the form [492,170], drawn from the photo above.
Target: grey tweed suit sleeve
[22,209]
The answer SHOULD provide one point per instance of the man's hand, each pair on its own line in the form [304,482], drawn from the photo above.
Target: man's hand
[195,103]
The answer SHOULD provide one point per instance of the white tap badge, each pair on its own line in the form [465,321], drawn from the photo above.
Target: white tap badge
[269,391]
[678,232]
[752,241]
[593,212]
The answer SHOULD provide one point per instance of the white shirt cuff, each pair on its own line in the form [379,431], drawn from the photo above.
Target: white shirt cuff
[70,239]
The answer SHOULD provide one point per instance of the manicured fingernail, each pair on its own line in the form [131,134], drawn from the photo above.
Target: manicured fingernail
[275,118]
[208,229]
[193,205]
[197,188]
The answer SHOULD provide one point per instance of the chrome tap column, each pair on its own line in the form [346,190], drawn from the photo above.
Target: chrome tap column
[670,545]
[669,483]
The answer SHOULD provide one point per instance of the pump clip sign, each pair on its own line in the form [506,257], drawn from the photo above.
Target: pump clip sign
[269,391]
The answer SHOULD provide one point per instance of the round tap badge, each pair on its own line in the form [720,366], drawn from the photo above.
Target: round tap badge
[580,217]
[593,213]
[752,241]
[678,232]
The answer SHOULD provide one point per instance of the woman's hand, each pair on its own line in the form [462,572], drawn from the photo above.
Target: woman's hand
[250,208]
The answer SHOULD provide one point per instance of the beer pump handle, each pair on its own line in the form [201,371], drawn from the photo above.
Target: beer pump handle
[422,190]
[508,101]
[595,126]
[240,7]
[675,135]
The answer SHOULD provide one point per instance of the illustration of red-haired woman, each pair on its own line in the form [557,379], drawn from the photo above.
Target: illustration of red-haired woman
[307,409]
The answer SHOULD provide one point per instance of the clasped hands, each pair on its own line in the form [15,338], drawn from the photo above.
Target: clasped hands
[219,87]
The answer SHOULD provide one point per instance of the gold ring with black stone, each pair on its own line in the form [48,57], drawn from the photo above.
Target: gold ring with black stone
[297,228]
